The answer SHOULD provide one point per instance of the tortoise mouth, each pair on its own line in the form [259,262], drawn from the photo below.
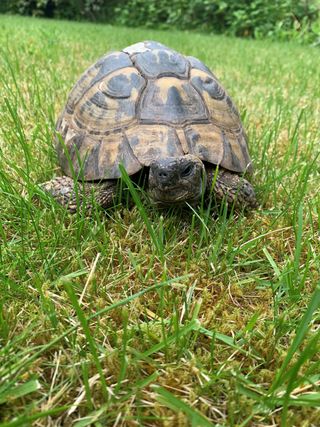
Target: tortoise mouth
[162,198]
[175,195]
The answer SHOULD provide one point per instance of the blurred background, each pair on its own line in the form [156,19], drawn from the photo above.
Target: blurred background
[275,19]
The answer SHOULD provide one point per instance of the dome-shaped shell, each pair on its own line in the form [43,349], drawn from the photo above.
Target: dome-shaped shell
[146,102]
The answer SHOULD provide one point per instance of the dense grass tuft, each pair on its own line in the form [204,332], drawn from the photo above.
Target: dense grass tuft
[141,317]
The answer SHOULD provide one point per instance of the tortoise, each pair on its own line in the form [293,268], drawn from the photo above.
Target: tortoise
[151,109]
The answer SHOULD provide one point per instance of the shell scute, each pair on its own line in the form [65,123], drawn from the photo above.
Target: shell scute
[110,103]
[222,110]
[150,44]
[150,142]
[136,48]
[236,157]
[215,145]
[209,85]
[171,100]
[97,158]
[199,65]
[111,63]
[104,66]
[205,141]
[121,85]
[144,47]
[158,62]
[115,150]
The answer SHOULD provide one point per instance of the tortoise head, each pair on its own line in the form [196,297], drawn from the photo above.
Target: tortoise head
[175,180]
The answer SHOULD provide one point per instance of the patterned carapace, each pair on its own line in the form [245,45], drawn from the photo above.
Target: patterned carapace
[144,103]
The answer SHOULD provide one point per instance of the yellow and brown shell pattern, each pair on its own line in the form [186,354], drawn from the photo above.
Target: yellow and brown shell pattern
[143,103]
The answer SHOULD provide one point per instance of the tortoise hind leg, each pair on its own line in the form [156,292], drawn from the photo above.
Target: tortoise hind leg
[77,195]
[233,188]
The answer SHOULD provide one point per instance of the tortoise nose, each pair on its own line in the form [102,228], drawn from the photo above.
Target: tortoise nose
[162,175]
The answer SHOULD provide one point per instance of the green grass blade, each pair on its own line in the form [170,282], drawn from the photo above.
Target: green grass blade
[28,420]
[16,391]
[91,343]
[169,400]
[155,239]
[299,337]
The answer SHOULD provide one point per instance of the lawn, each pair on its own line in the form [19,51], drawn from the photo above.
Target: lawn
[152,318]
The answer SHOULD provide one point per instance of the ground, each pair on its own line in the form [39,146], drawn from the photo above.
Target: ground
[159,318]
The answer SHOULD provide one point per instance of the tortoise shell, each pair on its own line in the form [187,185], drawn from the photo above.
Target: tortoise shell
[146,102]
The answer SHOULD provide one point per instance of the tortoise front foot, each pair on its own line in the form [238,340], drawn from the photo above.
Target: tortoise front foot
[80,195]
[233,188]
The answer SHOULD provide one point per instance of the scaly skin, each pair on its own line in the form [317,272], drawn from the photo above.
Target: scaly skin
[226,185]
[233,188]
[64,191]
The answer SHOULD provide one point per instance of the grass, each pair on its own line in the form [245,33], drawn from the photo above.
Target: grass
[140,317]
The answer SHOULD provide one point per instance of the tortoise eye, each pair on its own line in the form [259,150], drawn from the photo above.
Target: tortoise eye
[187,171]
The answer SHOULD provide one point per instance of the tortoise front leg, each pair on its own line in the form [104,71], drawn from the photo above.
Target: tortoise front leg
[232,188]
[72,195]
